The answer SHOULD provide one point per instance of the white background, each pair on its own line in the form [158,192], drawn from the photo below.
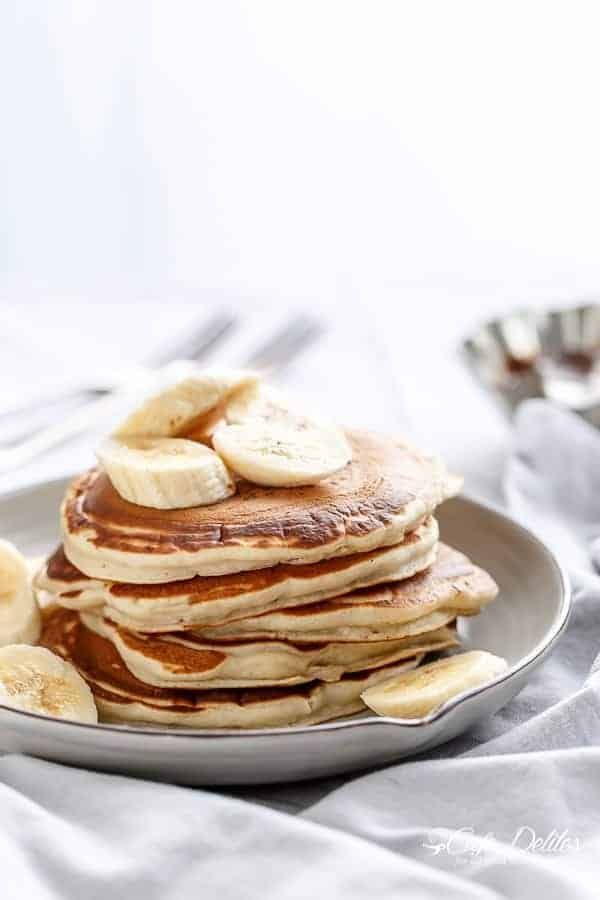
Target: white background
[404,169]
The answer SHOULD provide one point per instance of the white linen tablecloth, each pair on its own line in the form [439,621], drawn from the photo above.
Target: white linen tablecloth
[511,809]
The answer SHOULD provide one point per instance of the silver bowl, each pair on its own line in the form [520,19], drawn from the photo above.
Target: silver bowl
[553,354]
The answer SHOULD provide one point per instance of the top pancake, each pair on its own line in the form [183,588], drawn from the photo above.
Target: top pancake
[385,492]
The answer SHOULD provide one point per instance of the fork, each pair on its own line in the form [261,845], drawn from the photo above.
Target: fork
[194,346]
[278,351]
[275,353]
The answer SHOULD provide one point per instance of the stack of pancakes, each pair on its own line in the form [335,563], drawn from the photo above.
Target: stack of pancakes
[276,606]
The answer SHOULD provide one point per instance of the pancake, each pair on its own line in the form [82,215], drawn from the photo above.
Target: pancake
[186,661]
[198,602]
[384,493]
[120,697]
[452,586]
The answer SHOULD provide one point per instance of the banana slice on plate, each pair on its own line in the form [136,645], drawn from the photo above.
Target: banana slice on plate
[36,680]
[180,408]
[263,439]
[417,693]
[165,473]
[20,620]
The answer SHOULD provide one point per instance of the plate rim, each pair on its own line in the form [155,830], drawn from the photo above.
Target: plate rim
[540,650]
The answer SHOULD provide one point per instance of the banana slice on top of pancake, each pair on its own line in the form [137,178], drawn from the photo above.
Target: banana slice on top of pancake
[36,680]
[253,431]
[412,695]
[20,620]
[264,440]
[165,473]
[185,406]
[283,454]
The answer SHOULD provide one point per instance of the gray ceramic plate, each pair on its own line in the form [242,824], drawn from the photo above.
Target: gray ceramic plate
[522,625]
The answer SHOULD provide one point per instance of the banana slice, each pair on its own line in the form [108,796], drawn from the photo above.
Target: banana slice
[256,401]
[417,693]
[36,680]
[265,441]
[20,620]
[283,451]
[178,409]
[165,473]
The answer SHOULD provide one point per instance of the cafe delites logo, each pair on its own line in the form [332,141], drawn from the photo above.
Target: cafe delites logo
[466,844]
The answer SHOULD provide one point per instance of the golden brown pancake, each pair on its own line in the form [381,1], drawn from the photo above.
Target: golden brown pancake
[202,601]
[121,697]
[452,586]
[182,660]
[384,493]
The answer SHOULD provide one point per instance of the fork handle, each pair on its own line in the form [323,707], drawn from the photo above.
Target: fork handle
[56,434]
[78,396]
[75,423]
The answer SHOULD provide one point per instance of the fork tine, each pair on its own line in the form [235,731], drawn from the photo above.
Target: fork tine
[197,344]
[286,343]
